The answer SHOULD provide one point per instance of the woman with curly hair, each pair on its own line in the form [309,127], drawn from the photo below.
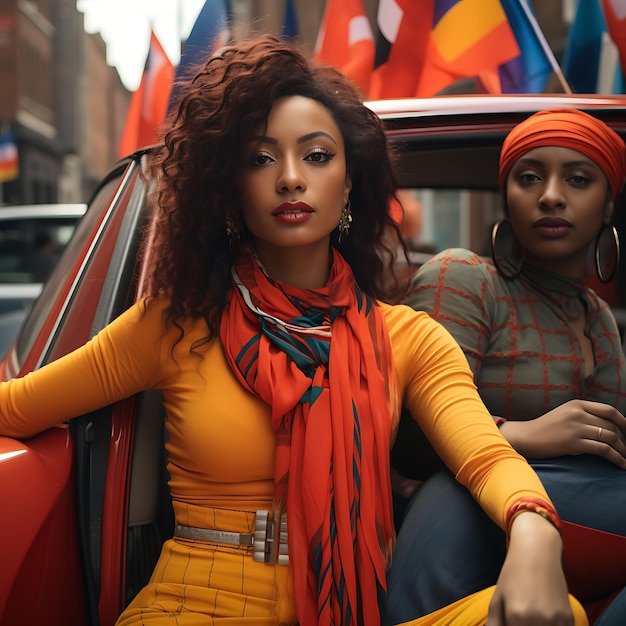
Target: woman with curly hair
[270,327]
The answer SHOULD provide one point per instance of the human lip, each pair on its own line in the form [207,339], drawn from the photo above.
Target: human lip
[553,226]
[293,212]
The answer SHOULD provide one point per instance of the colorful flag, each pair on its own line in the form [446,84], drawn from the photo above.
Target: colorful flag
[528,72]
[9,166]
[583,48]
[148,104]
[615,15]
[210,32]
[290,23]
[345,41]
[443,41]
[403,33]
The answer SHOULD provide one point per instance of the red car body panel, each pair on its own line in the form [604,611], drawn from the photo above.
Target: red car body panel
[37,510]
[114,527]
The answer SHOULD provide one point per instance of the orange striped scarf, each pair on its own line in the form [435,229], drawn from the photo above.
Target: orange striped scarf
[321,358]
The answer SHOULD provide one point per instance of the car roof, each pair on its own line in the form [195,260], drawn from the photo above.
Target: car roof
[490,104]
[10,212]
[464,133]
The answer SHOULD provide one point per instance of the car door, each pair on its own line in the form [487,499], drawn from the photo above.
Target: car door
[56,482]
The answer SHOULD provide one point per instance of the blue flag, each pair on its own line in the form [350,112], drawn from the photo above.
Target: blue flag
[290,23]
[581,60]
[210,31]
[528,72]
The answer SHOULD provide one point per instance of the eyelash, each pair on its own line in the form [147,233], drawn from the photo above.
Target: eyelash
[321,151]
[255,161]
[529,177]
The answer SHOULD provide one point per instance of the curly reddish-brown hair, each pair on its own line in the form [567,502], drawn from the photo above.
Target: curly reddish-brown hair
[199,164]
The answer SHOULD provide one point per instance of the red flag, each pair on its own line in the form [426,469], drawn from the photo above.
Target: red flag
[615,16]
[345,41]
[434,43]
[149,103]
[404,28]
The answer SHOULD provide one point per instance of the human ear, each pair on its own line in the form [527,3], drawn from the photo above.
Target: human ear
[609,207]
[347,188]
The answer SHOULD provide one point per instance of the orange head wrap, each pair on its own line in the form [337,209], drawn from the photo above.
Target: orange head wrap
[567,128]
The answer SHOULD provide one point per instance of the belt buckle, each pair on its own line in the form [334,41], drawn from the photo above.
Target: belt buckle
[270,538]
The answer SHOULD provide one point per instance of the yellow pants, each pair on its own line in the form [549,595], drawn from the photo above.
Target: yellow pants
[472,611]
[196,583]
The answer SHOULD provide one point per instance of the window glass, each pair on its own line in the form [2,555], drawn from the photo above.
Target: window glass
[437,219]
[42,306]
[29,247]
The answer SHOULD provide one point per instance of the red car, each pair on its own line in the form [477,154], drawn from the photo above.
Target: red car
[85,505]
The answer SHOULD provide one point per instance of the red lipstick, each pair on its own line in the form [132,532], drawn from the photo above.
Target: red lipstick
[293,212]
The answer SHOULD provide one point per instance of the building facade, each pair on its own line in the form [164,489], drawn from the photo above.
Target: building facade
[60,100]
[66,107]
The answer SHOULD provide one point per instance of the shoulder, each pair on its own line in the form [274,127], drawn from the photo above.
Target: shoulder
[417,341]
[149,317]
[452,264]
[399,315]
[407,326]
[454,271]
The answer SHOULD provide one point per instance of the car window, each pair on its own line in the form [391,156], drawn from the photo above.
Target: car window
[42,306]
[29,247]
[450,218]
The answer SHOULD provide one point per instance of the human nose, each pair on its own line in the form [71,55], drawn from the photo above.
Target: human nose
[552,195]
[291,176]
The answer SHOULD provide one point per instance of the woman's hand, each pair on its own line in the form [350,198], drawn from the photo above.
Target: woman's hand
[575,427]
[531,588]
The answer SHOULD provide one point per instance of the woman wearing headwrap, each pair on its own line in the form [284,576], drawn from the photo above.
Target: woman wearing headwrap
[548,363]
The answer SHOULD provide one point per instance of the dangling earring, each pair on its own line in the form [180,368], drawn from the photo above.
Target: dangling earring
[505,259]
[612,256]
[233,231]
[344,221]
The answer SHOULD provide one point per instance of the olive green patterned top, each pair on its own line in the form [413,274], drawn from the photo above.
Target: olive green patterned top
[515,334]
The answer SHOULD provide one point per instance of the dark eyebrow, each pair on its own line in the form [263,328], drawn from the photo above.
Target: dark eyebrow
[303,139]
[318,133]
[540,163]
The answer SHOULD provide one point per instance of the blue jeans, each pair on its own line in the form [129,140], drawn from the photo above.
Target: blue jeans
[447,548]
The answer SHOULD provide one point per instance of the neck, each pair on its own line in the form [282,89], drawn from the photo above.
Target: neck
[301,267]
[573,267]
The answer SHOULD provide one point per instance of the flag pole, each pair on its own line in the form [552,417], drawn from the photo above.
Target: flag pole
[180,25]
[563,81]
[556,68]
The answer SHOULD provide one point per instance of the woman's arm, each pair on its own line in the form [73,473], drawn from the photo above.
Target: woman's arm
[531,588]
[121,360]
[440,394]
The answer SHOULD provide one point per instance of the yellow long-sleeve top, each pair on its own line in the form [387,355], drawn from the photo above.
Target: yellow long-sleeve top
[221,442]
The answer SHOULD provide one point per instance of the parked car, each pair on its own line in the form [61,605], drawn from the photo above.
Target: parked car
[31,239]
[86,504]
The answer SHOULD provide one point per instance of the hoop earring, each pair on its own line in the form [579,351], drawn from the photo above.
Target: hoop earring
[614,256]
[344,221]
[506,258]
